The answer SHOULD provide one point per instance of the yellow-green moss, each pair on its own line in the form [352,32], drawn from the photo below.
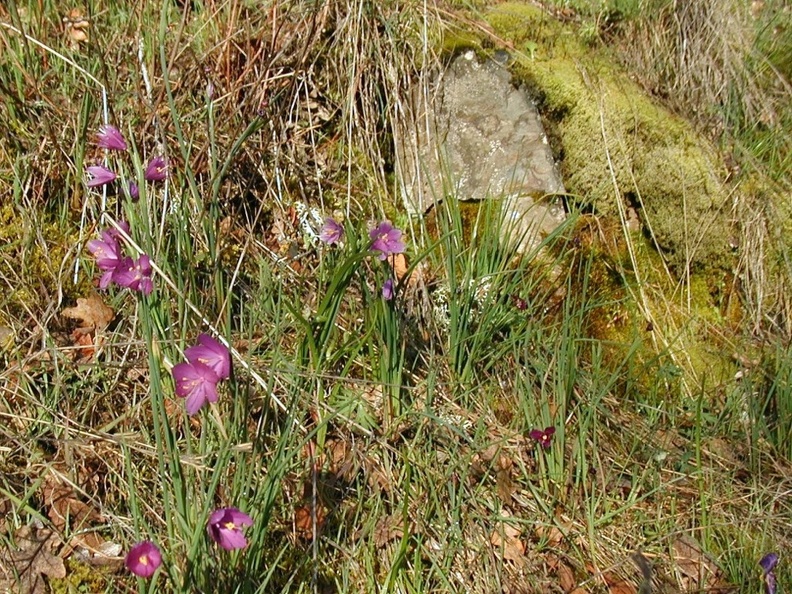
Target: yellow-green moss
[40,247]
[80,578]
[607,130]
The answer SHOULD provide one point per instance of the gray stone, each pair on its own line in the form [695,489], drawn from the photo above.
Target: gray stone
[472,135]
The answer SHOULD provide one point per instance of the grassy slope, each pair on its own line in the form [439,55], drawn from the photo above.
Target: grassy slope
[404,429]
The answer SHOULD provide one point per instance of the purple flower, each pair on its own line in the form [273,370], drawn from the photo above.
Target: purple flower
[225,528]
[332,232]
[157,169]
[387,290]
[545,438]
[134,274]
[519,302]
[106,251]
[134,192]
[100,175]
[143,559]
[211,353]
[123,226]
[386,240]
[197,383]
[110,138]
[768,563]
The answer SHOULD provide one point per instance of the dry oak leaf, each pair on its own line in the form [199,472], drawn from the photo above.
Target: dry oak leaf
[304,521]
[23,570]
[503,479]
[566,577]
[399,264]
[69,514]
[387,529]
[699,570]
[551,534]
[91,312]
[506,541]
[617,585]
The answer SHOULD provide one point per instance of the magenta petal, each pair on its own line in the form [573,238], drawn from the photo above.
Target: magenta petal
[386,240]
[143,559]
[146,286]
[232,539]
[99,176]
[156,170]
[331,232]
[134,274]
[106,279]
[107,252]
[387,289]
[197,383]
[769,561]
[110,138]
[225,528]
[211,353]
[238,518]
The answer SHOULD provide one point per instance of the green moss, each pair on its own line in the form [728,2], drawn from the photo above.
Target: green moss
[80,578]
[40,246]
[610,134]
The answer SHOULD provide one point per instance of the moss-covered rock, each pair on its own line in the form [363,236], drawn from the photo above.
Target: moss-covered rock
[616,144]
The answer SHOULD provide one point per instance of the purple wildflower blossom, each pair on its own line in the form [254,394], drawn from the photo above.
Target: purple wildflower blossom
[544,438]
[123,226]
[519,302]
[157,169]
[386,240]
[211,353]
[225,528]
[143,559]
[134,192]
[100,175]
[108,256]
[387,290]
[332,232]
[197,383]
[768,563]
[110,138]
[134,274]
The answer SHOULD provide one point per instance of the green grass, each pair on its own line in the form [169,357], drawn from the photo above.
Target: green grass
[396,433]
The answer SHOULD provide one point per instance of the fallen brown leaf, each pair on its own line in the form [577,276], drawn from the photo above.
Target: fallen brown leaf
[387,529]
[71,515]
[566,577]
[550,534]
[33,559]
[699,570]
[304,521]
[91,312]
[65,509]
[617,585]
[399,264]
[503,479]
[506,541]
[76,27]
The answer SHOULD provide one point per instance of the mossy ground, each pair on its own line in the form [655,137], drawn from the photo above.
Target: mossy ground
[620,150]
[615,143]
